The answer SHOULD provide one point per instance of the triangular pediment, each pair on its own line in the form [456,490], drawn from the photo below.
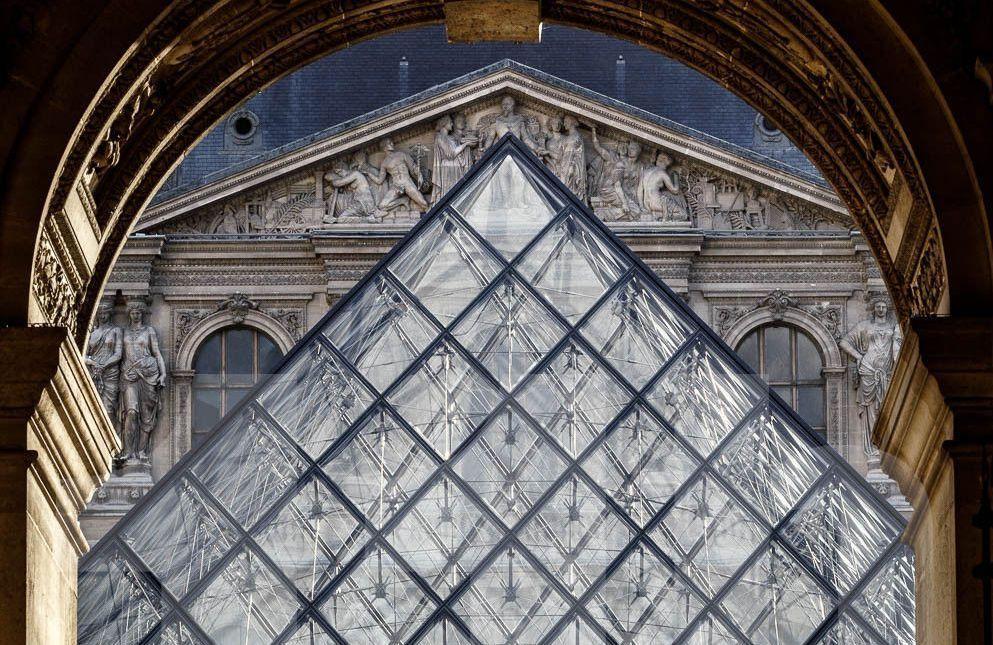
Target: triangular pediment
[607,152]
[506,435]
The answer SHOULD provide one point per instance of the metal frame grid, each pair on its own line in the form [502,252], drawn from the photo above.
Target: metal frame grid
[840,597]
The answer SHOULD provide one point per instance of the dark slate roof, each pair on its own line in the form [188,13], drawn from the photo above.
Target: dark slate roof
[363,81]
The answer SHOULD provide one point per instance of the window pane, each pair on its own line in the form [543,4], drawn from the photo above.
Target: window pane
[808,358]
[748,349]
[785,392]
[810,404]
[777,355]
[233,396]
[206,408]
[269,355]
[238,359]
[208,361]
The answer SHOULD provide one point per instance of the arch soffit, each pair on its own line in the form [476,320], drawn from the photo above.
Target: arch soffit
[219,320]
[790,65]
[800,319]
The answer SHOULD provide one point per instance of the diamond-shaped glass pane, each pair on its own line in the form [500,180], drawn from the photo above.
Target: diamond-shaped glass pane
[848,632]
[180,536]
[310,633]
[316,399]
[643,601]
[444,633]
[117,604]
[510,602]
[840,532]
[702,396]
[776,602]
[444,536]
[574,397]
[509,331]
[250,467]
[572,266]
[446,399]
[640,465]
[576,631]
[769,465]
[507,203]
[176,633]
[887,602]
[312,537]
[380,331]
[708,534]
[711,631]
[245,602]
[378,602]
[445,267]
[510,466]
[380,467]
[575,535]
[637,330]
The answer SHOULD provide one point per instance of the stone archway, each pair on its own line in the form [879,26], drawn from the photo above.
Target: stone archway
[887,98]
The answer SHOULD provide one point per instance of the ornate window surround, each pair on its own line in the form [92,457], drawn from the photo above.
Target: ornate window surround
[182,372]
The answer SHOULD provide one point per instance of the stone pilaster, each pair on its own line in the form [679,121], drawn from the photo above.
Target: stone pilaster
[934,434]
[56,444]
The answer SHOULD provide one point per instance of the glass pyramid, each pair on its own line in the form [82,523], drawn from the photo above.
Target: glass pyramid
[510,432]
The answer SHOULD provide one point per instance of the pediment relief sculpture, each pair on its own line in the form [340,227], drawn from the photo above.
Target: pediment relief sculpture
[394,180]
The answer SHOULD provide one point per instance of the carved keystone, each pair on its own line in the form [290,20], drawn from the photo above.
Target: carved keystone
[473,21]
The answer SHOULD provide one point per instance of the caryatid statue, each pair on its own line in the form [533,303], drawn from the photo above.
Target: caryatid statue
[451,156]
[143,375]
[400,169]
[103,359]
[874,344]
[507,121]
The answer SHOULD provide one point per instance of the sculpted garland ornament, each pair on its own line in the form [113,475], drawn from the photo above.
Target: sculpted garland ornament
[510,432]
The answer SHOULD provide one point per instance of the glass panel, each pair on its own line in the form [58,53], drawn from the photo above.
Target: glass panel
[445,267]
[250,467]
[572,266]
[769,465]
[207,363]
[887,602]
[636,330]
[508,331]
[378,602]
[380,467]
[710,631]
[776,602]
[642,601]
[808,358]
[508,204]
[310,633]
[316,399]
[244,603]
[575,535]
[510,466]
[233,396]
[312,538]
[702,397]
[847,632]
[269,355]
[444,633]
[239,356]
[574,397]
[445,399]
[206,409]
[778,354]
[748,350]
[117,604]
[444,536]
[810,404]
[576,631]
[640,465]
[176,634]
[510,602]
[840,533]
[380,331]
[180,536]
[708,534]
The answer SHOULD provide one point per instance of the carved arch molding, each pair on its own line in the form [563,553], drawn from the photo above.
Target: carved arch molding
[191,66]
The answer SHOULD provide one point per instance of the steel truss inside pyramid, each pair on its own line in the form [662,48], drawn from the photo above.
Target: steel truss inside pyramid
[510,432]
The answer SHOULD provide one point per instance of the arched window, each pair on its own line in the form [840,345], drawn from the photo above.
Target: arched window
[226,367]
[789,361]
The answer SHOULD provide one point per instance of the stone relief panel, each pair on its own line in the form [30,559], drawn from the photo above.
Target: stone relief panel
[622,178]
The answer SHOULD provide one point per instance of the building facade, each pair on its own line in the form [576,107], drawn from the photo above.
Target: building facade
[229,272]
